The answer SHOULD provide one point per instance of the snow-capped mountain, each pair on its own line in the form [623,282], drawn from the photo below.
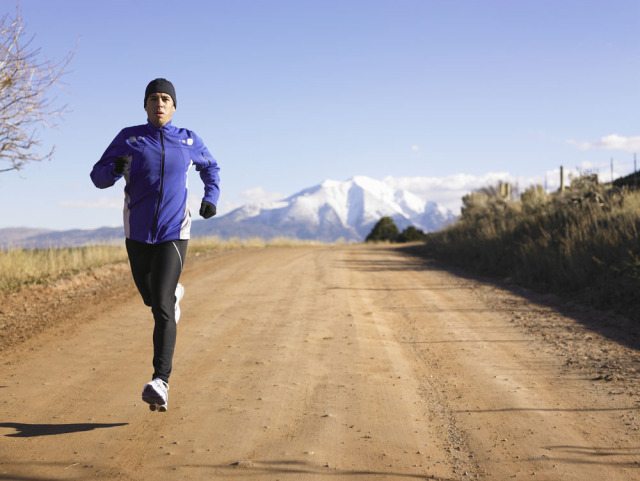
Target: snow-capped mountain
[330,211]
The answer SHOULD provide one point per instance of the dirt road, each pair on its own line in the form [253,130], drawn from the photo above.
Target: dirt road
[325,363]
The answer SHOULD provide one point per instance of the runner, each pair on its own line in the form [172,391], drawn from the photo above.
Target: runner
[154,159]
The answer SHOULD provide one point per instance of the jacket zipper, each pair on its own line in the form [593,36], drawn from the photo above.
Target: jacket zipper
[155,221]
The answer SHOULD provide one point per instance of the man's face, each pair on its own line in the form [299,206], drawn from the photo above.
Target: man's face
[159,108]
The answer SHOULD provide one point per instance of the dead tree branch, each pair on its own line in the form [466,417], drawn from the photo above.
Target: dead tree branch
[25,102]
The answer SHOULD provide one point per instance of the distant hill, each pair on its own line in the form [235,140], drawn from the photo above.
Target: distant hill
[330,211]
[42,239]
[17,235]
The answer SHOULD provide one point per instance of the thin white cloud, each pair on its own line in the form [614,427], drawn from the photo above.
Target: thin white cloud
[193,203]
[610,142]
[100,202]
[448,191]
[259,194]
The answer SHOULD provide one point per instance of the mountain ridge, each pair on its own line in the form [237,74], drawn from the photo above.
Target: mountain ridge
[330,211]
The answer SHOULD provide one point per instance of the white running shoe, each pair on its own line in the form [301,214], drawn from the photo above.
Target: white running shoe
[155,394]
[179,296]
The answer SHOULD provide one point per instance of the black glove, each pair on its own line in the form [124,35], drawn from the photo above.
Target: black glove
[207,209]
[123,164]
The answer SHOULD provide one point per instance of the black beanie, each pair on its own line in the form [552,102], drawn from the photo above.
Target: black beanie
[160,85]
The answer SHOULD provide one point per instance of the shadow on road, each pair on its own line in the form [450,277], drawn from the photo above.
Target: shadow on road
[612,326]
[35,430]
[250,468]
[550,410]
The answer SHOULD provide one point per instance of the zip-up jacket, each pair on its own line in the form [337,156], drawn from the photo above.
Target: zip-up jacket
[155,205]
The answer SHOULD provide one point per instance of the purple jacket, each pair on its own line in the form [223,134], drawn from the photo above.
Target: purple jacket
[155,207]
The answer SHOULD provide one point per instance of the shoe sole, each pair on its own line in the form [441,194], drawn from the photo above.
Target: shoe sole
[161,408]
[151,397]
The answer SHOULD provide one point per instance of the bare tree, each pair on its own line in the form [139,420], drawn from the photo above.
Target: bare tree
[25,102]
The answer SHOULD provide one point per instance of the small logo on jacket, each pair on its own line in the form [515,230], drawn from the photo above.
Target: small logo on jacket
[187,141]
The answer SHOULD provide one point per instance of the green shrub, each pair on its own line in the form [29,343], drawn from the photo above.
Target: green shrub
[384,230]
[411,234]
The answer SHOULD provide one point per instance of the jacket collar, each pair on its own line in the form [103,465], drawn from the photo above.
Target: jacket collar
[167,127]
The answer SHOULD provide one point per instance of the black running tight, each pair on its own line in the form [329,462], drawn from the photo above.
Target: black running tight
[156,269]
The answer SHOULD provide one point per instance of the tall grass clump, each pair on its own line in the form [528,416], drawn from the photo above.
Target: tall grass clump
[581,243]
[22,267]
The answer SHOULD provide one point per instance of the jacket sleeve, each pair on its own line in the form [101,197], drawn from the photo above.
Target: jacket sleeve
[208,168]
[102,173]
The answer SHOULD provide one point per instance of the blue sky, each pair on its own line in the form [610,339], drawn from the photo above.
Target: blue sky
[288,93]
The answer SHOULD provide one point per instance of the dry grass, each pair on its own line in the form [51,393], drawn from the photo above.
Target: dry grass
[582,244]
[205,244]
[23,267]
